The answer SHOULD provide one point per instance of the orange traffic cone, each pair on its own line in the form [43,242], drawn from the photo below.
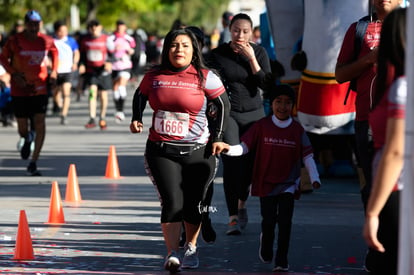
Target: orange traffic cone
[56,209]
[112,169]
[72,186]
[24,247]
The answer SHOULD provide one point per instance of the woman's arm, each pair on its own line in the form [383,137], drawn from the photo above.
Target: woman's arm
[388,172]
[138,106]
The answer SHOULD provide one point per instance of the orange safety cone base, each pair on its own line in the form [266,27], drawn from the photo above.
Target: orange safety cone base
[24,247]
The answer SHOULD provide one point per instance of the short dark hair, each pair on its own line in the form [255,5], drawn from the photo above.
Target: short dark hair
[120,22]
[93,23]
[199,34]
[241,16]
[58,24]
[282,89]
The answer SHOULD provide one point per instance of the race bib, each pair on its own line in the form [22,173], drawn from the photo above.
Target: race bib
[94,55]
[171,123]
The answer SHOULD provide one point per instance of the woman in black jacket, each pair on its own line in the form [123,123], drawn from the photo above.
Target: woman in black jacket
[242,66]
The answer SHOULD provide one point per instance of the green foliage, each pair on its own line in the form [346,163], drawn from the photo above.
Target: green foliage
[154,16]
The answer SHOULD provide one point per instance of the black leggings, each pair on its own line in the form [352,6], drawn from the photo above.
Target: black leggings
[237,171]
[181,181]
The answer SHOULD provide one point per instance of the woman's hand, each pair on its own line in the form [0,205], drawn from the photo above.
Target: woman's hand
[218,147]
[136,126]
[244,49]
[370,233]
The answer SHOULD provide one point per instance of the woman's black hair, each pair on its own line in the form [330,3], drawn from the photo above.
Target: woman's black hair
[391,53]
[197,59]
[241,16]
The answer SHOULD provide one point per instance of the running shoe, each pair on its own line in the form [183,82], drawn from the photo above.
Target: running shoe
[190,259]
[207,231]
[119,117]
[32,169]
[233,228]
[279,268]
[265,249]
[172,262]
[25,150]
[91,124]
[102,124]
[281,264]
[243,218]
[63,120]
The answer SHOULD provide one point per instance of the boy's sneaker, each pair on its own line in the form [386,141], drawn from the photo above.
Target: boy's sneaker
[190,259]
[102,124]
[172,262]
[233,228]
[25,150]
[243,218]
[281,264]
[32,169]
[265,250]
[91,124]
[207,231]
[279,268]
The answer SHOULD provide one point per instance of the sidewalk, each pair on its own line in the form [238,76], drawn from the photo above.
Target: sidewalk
[115,228]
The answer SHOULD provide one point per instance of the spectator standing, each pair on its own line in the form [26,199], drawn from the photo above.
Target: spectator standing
[121,66]
[225,35]
[387,120]
[362,67]
[25,58]
[256,38]
[6,109]
[180,149]
[243,66]
[95,62]
[69,56]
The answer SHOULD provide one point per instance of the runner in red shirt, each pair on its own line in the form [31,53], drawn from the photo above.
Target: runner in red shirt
[25,57]
[280,145]
[95,52]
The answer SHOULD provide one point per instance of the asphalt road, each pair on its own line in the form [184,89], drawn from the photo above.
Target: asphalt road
[115,228]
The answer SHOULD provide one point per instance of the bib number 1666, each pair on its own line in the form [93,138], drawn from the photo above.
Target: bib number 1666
[171,123]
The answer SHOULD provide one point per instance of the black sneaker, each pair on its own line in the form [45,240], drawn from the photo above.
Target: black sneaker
[63,120]
[281,264]
[91,124]
[207,231]
[32,169]
[25,150]
[280,268]
[265,250]
[233,228]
